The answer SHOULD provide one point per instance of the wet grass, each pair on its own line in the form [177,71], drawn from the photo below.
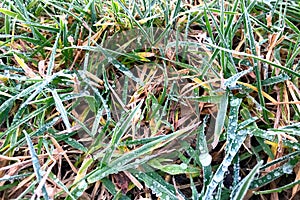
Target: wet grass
[146,99]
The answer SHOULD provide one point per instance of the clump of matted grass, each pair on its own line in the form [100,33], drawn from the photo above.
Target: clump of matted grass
[209,109]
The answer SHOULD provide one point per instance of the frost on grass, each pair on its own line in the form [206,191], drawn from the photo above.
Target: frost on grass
[159,72]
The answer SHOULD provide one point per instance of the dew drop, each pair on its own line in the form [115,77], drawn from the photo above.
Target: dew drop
[183,166]
[287,168]
[234,102]
[218,178]
[277,173]
[260,181]
[226,162]
[205,159]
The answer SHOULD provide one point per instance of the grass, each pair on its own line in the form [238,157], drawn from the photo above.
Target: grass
[146,99]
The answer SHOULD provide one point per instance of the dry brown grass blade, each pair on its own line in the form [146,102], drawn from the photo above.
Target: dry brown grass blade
[294,91]
[95,190]
[296,188]
[42,68]
[239,46]
[283,103]
[61,151]
[272,43]
[134,180]
[269,19]
[179,196]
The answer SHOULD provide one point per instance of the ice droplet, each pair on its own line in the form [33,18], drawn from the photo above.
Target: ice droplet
[234,102]
[226,162]
[277,173]
[205,159]
[287,168]
[218,178]
[183,166]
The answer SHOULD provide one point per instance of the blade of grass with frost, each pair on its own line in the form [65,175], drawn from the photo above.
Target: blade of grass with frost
[228,29]
[195,195]
[88,160]
[61,109]
[38,88]
[75,144]
[35,163]
[232,135]
[236,171]
[292,26]
[235,140]
[22,11]
[231,82]
[11,14]
[281,159]
[286,169]
[184,65]
[173,169]
[96,123]
[43,27]
[218,177]
[203,155]
[278,190]
[176,10]
[103,101]
[241,189]
[115,165]
[222,110]
[125,90]
[263,136]
[215,99]
[52,56]
[7,24]
[140,141]
[275,79]
[154,181]
[77,191]
[109,186]
[292,58]
[156,115]
[12,178]
[97,143]
[120,129]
